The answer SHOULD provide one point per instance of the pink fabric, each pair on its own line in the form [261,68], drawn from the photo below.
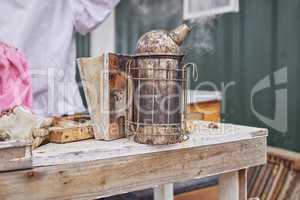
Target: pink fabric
[15,81]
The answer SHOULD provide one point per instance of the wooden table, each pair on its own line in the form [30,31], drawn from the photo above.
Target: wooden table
[92,169]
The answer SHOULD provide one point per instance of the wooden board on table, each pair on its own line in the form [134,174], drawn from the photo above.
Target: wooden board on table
[70,129]
[15,154]
[202,135]
[65,135]
[92,169]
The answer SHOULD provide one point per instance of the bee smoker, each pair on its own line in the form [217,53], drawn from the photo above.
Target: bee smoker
[156,90]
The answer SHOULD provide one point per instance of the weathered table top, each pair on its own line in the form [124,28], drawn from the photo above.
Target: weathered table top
[90,169]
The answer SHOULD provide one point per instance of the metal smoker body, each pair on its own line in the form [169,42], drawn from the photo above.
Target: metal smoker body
[157,85]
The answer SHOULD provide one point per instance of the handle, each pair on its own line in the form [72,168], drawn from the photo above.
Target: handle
[194,72]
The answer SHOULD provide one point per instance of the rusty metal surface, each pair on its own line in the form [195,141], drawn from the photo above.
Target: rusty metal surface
[157,41]
[158,106]
[162,41]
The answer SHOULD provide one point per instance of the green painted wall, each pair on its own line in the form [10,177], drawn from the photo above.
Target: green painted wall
[242,48]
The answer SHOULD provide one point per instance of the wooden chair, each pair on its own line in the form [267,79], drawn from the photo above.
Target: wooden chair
[279,179]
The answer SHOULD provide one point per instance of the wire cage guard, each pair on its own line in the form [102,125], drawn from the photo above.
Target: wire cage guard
[156,98]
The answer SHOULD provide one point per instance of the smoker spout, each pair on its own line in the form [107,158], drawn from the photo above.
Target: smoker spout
[180,33]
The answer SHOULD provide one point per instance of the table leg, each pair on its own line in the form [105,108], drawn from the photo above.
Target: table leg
[243,194]
[164,192]
[233,185]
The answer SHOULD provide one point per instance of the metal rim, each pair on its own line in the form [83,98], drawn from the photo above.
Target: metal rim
[159,55]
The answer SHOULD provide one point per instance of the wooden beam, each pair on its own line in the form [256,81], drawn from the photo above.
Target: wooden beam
[229,186]
[243,193]
[164,192]
[233,185]
[115,175]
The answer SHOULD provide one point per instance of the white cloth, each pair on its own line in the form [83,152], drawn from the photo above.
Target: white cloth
[44,31]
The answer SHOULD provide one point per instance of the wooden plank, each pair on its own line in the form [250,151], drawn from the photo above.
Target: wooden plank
[14,143]
[270,181]
[280,183]
[164,192]
[15,158]
[229,186]
[275,182]
[243,194]
[257,184]
[54,154]
[70,129]
[252,178]
[15,155]
[233,185]
[286,155]
[121,174]
[285,192]
[263,184]
[65,135]
[294,192]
